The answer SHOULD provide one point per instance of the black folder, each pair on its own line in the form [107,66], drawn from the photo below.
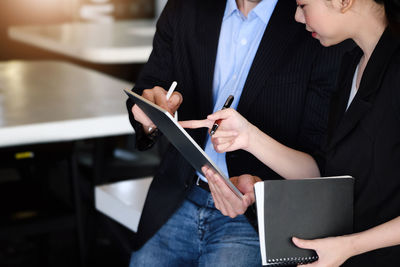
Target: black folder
[305,208]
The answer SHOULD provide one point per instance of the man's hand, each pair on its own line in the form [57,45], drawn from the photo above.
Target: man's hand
[157,95]
[225,200]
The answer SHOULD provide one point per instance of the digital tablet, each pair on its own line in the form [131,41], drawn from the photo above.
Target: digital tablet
[178,137]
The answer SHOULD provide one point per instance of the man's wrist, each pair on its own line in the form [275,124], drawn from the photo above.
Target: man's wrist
[144,140]
[152,133]
[149,129]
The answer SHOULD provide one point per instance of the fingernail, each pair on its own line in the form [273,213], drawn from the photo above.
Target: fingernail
[176,98]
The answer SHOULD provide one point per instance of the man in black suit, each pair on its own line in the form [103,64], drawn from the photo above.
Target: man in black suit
[282,81]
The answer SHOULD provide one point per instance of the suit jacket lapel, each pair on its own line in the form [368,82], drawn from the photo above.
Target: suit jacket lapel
[208,30]
[271,48]
[369,85]
[341,96]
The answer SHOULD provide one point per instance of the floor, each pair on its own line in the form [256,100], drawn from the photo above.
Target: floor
[57,249]
[35,231]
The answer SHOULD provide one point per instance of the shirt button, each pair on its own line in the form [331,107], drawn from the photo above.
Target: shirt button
[234,77]
[243,41]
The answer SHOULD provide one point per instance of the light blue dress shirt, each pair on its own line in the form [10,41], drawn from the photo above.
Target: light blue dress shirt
[238,43]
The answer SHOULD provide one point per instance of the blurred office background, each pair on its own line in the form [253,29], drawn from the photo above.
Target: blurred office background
[37,195]
[50,12]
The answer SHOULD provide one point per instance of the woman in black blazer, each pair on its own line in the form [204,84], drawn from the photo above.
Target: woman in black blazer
[363,134]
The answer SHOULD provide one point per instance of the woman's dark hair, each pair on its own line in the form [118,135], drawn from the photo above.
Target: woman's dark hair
[392,10]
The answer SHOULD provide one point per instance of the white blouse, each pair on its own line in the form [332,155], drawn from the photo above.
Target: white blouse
[354,88]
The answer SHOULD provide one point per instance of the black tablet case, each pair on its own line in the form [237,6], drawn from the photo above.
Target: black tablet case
[178,137]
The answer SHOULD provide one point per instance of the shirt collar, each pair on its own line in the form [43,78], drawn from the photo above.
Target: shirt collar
[231,7]
[263,10]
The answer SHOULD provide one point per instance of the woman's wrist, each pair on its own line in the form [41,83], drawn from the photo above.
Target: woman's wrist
[252,136]
[351,245]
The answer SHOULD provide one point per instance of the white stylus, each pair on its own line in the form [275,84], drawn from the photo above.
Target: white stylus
[169,93]
[171,89]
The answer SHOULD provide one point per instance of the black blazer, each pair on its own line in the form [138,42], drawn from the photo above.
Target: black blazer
[365,141]
[286,93]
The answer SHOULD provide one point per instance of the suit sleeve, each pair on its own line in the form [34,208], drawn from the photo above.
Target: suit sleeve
[158,71]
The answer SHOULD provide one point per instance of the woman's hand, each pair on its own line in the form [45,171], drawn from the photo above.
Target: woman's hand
[332,251]
[232,134]
[225,199]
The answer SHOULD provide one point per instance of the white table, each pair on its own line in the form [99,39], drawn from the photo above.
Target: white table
[127,41]
[50,101]
[123,201]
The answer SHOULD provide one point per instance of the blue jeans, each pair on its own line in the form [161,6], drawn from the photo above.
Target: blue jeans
[199,235]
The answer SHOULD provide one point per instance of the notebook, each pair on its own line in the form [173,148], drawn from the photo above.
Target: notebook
[178,137]
[306,208]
